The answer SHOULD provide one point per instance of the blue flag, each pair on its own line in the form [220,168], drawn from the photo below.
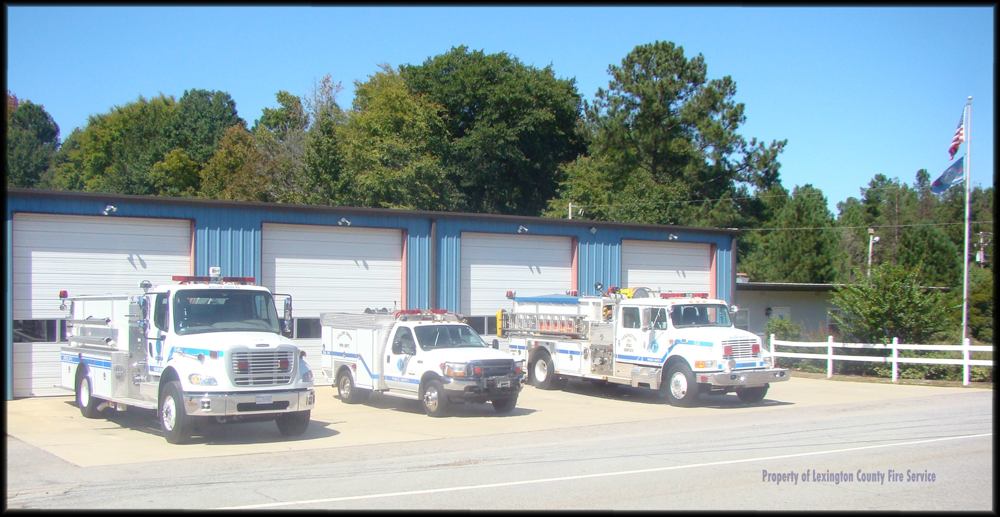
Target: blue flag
[952,176]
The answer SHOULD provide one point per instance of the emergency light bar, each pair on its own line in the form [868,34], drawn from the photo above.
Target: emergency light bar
[244,280]
[683,295]
[426,315]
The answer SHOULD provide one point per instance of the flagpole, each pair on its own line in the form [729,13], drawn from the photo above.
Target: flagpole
[965,256]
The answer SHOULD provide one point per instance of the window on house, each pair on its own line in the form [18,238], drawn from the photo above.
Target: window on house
[39,331]
[308,328]
[743,319]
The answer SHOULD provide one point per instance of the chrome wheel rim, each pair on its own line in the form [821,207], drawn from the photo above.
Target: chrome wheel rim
[85,392]
[345,388]
[678,385]
[169,414]
[431,399]
[541,370]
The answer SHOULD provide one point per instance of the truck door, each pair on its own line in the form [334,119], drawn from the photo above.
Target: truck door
[399,373]
[156,335]
[632,340]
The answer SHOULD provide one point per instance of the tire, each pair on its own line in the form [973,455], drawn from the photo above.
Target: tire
[293,424]
[85,398]
[174,421]
[679,387]
[752,395]
[349,393]
[543,373]
[504,404]
[433,398]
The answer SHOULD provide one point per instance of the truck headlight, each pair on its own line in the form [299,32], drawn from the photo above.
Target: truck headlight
[704,364]
[455,369]
[519,367]
[202,380]
[307,376]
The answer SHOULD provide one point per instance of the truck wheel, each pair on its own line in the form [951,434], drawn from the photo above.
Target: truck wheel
[349,393]
[174,421]
[544,373]
[293,424]
[504,404]
[751,395]
[679,387]
[434,399]
[85,399]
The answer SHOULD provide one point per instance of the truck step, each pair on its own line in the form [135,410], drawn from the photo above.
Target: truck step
[144,404]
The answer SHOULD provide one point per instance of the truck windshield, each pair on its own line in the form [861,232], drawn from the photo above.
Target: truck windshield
[700,315]
[219,310]
[433,337]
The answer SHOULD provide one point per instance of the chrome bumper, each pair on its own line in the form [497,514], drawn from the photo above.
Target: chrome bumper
[477,386]
[748,378]
[253,403]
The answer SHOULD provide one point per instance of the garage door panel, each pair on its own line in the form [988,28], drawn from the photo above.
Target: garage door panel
[91,255]
[330,268]
[668,266]
[493,264]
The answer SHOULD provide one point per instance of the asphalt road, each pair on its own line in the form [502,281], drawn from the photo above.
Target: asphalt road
[585,447]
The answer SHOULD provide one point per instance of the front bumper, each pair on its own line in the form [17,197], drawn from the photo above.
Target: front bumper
[741,378]
[249,403]
[477,388]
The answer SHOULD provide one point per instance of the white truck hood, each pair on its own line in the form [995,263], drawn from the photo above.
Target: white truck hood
[705,335]
[463,355]
[225,340]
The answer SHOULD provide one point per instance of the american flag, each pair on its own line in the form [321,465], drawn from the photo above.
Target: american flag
[959,137]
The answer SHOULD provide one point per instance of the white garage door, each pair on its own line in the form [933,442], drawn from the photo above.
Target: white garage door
[493,264]
[92,255]
[681,267]
[82,255]
[331,268]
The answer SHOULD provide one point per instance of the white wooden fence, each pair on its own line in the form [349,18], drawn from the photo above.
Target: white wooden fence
[895,347]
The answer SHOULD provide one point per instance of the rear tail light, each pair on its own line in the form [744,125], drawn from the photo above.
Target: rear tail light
[477,370]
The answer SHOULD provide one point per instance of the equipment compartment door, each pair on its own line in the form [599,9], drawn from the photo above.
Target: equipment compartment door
[568,358]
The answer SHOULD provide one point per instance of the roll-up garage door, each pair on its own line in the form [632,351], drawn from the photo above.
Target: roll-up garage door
[82,255]
[681,267]
[493,264]
[331,268]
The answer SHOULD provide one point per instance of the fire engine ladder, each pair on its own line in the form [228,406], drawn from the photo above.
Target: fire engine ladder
[552,324]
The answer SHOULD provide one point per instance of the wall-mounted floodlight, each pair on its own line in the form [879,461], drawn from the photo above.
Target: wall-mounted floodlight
[110,208]
[672,237]
[522,229]
[343,221]
[593,230]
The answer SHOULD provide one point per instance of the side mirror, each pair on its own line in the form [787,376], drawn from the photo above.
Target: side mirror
[733,309]
[288,309]
[496,344]
[286,328]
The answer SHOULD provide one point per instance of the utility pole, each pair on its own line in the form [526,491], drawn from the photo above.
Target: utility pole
[872,239]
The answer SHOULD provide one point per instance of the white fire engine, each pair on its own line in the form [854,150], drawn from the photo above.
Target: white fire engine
[426,355]
[208,348]
[680,344]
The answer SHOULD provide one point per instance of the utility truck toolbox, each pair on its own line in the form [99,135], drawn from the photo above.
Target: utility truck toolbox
[681,344]
[426,355]
[204,348]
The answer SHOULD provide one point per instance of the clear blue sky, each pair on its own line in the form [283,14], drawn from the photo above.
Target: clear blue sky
[856,91]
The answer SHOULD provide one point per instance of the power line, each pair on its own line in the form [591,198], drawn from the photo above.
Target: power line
[860,227]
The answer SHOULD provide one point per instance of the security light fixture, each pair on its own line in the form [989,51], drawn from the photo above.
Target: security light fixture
[343,221]
[110,208]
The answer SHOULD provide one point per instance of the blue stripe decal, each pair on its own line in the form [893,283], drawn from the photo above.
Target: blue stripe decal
[97,363]
[748,365]
[362,359]
[570,352]
[345,355]
[517,347]
[192,351]
[402,379]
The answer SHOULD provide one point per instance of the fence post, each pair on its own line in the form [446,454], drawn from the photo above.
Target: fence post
[774,359]
[829,357]
[965,360]
[895,356]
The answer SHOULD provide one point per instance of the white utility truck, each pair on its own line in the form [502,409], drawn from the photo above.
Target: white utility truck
[207,348]
[426,355]
[680,344]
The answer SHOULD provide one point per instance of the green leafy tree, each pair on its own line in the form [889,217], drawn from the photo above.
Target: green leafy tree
[32,141]
[803,246]
[509,127]
[981,296]
[280,134]
[324,161]
[928,249]
[235,172]
[667,136]
[176,175]
[888,304]
[393,143]
[201,118]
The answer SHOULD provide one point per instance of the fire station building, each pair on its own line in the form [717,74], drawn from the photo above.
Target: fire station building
[327,258]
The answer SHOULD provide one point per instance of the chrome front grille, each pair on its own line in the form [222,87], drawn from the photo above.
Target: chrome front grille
[497,367]
[742,348]
[262,367]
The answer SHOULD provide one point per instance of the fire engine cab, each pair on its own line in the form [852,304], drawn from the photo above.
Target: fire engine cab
[425,355]
[681,344]
[206,348]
